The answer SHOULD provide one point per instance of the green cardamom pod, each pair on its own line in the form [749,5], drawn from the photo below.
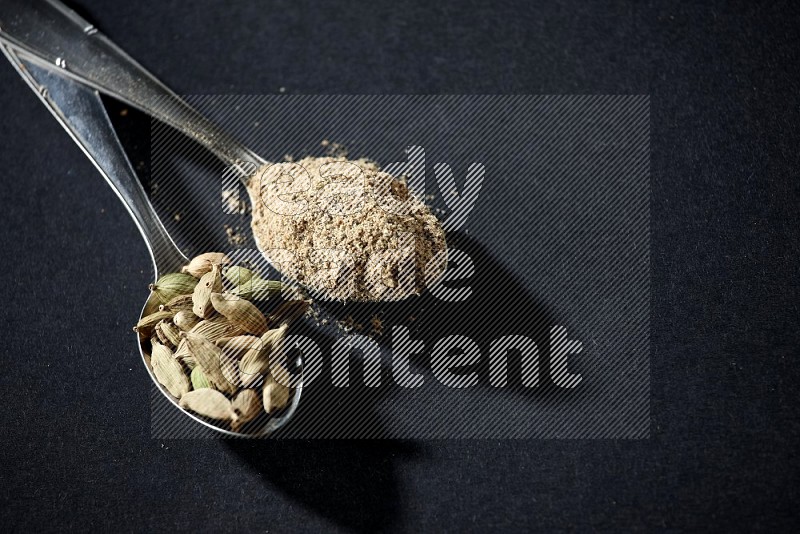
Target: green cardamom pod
[172,285]
[240,312]
[168,371]
[179,303]
[185,320]
[258,289]
[211,282]
[216,328]
[237,346]
[209,403]
[230,369]
[255,362]
[199,380]
[183,355]
[236,275]
[209,357]
[171,332]
[152,305]
[275,394]
[247,406]
[146,324]
[202,264]
[160,337]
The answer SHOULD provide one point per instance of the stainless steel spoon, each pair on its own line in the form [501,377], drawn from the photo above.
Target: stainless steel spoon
[49,34]
[29,34]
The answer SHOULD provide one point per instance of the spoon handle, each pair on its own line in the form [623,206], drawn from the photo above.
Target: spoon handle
[48,33]
[81,112]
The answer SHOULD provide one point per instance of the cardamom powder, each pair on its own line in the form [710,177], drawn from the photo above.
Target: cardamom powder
[348,228]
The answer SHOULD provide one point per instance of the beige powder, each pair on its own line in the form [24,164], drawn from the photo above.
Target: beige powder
[346,229]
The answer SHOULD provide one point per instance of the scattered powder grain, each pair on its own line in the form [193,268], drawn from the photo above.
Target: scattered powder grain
[235,238]
[352,232]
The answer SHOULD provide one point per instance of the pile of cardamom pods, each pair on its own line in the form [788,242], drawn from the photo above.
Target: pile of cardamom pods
[208,340]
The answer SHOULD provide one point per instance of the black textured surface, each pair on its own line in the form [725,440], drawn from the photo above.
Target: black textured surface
[76,451]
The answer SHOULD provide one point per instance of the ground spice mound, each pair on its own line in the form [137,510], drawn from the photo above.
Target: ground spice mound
[351,231]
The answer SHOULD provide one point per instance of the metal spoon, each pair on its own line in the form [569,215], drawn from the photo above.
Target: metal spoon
[78,108]
[49,34]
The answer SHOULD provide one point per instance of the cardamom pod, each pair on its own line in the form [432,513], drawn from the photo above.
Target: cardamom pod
[172,285]
[221,342]
[183,355]
[247,406]
[216,328]
[255,361]
[198,378]
[200,265]
[230,369]
[237,275]
[209,357]
[233,350]
[179,303]
[160,337]
[168,371]
[257,289]
[211,282]
[170,331]
[240,312]
[209,403]
[275,394]
[186,320]
[146,324]
[152,305]
[237,346]
[154,339]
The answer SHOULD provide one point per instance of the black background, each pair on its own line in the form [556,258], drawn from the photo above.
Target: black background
[76,446]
